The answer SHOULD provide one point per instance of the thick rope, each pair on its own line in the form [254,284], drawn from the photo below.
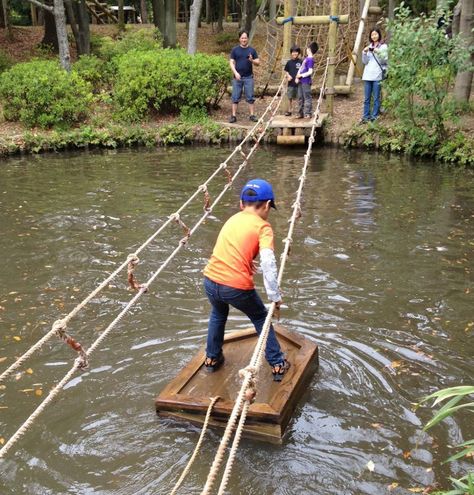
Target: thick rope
[257,356]
[143,288]
[202,188]
[198,446]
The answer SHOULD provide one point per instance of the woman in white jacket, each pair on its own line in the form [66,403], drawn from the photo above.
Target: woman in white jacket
[374,57]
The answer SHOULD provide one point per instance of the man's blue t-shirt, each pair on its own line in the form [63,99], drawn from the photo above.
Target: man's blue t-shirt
[242,63]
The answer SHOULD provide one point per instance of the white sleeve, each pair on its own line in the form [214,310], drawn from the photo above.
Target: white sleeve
[270,275]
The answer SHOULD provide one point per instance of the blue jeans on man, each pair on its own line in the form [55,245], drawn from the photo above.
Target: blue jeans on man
[245,84]
[371,88]
[249,302]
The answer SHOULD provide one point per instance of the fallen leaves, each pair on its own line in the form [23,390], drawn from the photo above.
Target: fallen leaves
[17,338]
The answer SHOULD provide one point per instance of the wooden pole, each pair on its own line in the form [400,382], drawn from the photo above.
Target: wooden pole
[289,9]
[313,19]
[332,44]
[356,51]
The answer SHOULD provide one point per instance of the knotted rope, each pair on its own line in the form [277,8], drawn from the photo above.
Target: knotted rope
[142,289]
[223,166]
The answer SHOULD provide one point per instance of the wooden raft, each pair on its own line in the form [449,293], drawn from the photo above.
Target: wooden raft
[187,396]
[292,129]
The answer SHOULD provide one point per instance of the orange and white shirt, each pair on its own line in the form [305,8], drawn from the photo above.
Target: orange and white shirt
[241,238]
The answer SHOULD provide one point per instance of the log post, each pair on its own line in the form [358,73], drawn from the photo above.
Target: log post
[289,10]
[332,44]
[356,52]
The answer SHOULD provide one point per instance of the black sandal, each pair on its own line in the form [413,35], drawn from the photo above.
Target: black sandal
[213,364]
[279,369]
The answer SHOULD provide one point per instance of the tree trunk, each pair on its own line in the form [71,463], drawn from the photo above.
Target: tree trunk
[186,14]
[193,26]
[5,18]
[208,11]
[83,26]
[170,24]
[144,11]
[61,29]
[456,18]
[251,12]
[391,9]
[50,37]
[159,15]
[121,16]
[463,84]
[220,16]
[71,17]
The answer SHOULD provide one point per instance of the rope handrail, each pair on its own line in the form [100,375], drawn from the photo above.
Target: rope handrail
[202,188]
[242,403]
[143,288]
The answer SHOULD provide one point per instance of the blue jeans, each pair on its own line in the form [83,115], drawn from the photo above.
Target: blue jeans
[371,88]
[305,98]
[245,84]
[249,302]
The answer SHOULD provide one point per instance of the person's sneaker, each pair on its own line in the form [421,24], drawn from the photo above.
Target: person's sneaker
[253,118]
[287,114]
[299,116]
[233,119]
[279,369]
[308,116]
[213,364]
[363,121]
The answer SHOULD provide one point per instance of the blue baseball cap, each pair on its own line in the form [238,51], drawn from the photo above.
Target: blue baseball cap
[258,190]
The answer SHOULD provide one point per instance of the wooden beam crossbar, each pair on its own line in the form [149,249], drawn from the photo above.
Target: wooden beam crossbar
[312,19]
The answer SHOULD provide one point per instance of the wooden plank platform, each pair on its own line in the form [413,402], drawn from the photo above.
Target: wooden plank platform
[282,122]
[187,396]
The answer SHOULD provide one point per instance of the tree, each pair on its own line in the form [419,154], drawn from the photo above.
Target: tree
[57,10]
[144,11]
[79,20]
[193,26]
[463,84]
[164,18]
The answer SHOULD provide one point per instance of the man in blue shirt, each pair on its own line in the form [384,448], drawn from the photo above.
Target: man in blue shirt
[242,59]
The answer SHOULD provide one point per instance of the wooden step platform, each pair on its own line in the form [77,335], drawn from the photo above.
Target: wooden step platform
[187,396]
[282,122]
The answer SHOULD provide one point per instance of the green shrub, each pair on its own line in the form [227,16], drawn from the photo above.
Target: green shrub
[423,64]
[458,149]
[42,93]
[138,40]
[225,41]
[5,62]
[167,80]
[91,69]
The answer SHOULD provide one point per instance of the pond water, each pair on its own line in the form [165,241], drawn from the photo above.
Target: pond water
[380,277]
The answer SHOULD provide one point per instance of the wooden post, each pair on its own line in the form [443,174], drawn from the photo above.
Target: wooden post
[332,43]
[289,10]
[356,52]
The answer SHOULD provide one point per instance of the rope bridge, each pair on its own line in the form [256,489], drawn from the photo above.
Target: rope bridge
[247,392]
[59,327]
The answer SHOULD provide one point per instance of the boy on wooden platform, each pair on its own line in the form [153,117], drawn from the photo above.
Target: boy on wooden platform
[228,276]
[303,79]
[291,70]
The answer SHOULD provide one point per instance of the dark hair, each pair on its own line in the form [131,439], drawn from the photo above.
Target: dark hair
[252,193]
[313,47]
[243,31]
[377,30]
[295,49]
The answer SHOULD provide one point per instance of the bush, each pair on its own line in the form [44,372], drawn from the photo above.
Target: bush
[42,93]
[423,64]
[167,80]
[138,40]
[5,62]
[92,69]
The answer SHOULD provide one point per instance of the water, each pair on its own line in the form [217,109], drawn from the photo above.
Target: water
[380,277]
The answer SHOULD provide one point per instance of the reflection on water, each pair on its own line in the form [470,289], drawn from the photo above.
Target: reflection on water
[379,276]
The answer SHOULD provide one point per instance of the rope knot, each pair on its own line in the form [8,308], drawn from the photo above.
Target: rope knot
[133,261]
[59,327]
[248,371]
